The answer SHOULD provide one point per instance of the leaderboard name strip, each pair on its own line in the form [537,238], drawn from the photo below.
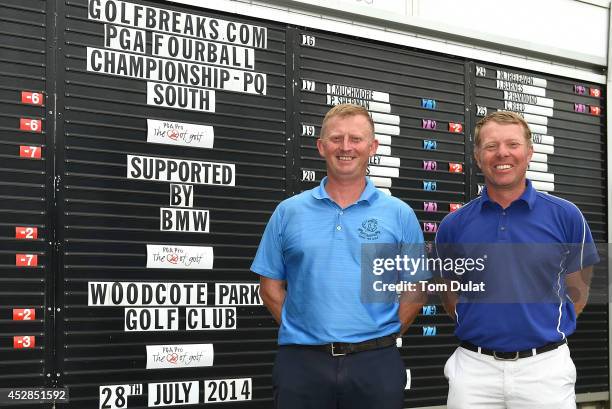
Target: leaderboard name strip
[24,221]
[416,103]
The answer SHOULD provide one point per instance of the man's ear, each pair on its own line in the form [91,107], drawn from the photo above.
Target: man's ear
[374,147]
[530,152]
[320,147]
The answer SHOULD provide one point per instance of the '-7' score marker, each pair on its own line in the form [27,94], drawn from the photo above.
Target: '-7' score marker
[30,152]
[26,260]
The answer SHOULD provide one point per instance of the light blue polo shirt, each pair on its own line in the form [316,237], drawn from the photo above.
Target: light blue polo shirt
[531,246]
[316,246]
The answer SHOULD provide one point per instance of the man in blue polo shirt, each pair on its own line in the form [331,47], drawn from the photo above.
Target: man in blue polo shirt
[335,350]
[538,255]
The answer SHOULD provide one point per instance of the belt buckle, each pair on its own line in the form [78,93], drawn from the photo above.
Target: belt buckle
[514,358]
[333,352]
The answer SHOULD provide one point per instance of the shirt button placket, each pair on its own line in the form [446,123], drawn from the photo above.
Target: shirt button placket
[339,227]
[503,225]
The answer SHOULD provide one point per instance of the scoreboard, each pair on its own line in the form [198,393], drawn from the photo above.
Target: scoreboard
[145,146]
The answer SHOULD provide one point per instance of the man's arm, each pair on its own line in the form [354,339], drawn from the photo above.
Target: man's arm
[578,284]
[449,298]
[411,303]
[273,294]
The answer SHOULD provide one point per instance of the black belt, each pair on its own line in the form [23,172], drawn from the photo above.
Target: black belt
[512,356]
[344,348]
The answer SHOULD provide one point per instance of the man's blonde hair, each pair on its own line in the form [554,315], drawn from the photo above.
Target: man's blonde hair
[502,117]
[344,110]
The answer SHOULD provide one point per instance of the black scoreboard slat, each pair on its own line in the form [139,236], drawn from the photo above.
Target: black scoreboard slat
[25,132]
[567,120]
[168,179]
[417,103]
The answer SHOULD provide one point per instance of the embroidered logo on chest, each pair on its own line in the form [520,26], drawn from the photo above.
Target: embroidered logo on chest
[369,229]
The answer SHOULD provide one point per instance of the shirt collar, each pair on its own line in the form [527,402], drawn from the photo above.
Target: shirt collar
[528,196]
[369,194]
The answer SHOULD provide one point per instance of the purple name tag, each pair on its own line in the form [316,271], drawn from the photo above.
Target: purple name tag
[429,227]
[430,165]
[429,124]
[430,206]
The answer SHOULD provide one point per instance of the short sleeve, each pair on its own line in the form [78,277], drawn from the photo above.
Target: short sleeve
[269,260]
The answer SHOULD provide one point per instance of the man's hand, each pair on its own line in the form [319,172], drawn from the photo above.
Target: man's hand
[273,294]
[577,285]
[411,303]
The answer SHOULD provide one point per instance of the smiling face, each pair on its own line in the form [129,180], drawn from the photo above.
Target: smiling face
[503,155]
[347,145]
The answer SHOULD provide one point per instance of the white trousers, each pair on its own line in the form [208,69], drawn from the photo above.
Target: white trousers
[543,381]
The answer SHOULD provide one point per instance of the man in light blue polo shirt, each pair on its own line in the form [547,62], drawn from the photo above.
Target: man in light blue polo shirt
[538,255]
[336,351]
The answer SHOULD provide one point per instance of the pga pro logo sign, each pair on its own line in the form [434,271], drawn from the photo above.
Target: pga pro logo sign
[179,257]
